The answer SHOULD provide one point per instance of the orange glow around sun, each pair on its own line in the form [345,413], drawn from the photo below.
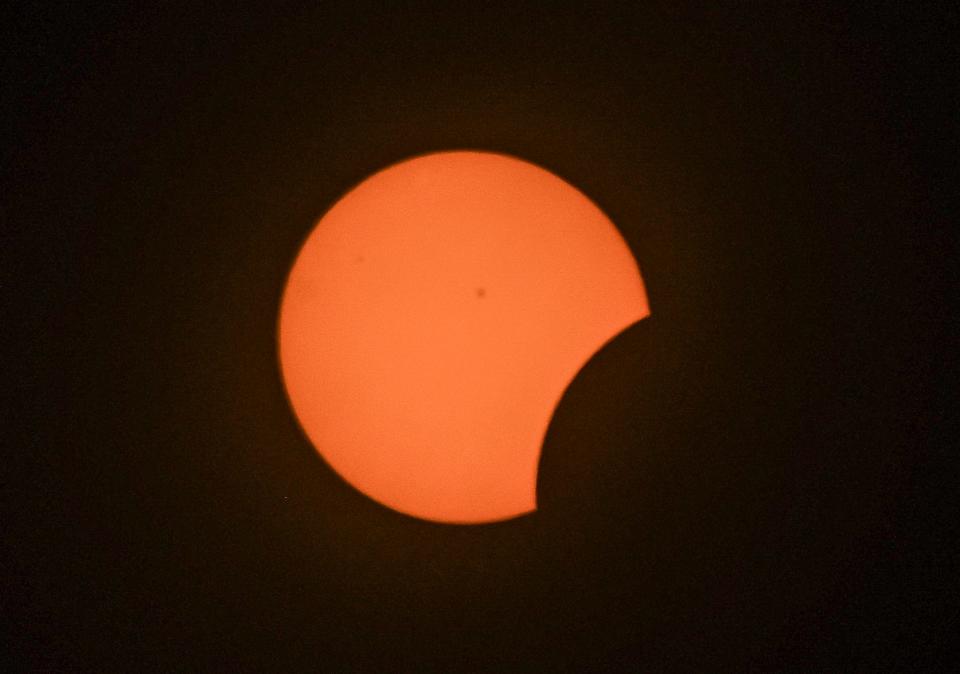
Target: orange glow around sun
[433,319]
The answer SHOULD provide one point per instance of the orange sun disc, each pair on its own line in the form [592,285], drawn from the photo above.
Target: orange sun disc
[433,319]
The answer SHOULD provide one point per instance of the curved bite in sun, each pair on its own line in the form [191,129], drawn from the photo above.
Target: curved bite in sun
[433,319]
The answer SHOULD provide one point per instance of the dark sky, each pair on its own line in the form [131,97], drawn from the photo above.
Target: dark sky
[759,476]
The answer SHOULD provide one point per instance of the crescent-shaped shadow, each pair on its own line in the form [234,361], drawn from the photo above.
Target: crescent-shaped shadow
[612,418]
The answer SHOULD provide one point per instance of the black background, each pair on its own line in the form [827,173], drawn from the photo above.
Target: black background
[757,476]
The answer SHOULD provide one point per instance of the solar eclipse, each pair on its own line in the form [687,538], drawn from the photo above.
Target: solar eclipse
[433,319]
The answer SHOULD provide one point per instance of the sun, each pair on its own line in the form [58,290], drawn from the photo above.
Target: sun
[433,319]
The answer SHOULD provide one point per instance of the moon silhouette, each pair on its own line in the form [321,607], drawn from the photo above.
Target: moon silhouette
[433,319]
